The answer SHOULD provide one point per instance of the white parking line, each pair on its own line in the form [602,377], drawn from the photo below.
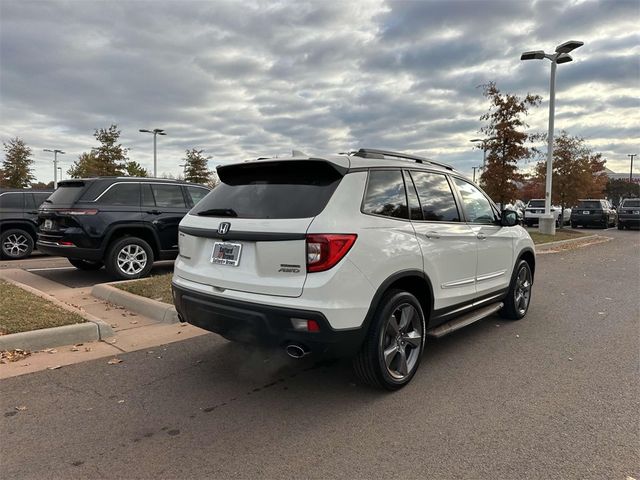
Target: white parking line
[50,268]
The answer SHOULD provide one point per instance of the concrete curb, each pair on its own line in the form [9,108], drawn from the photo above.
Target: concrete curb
[51,337]
[543,246]
[94,329]
[162,312]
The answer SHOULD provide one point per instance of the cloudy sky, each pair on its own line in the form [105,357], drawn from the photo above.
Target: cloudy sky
[245,79]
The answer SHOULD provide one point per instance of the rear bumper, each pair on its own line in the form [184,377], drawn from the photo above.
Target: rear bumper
[51,248]
[261,324]
[629,220]
[594,219]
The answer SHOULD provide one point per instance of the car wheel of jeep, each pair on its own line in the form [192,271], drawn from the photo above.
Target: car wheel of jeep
[518,299]
[16,244]
[81,264]
[129,258]
[392,350]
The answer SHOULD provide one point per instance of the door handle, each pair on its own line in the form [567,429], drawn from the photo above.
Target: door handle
[154,212]
[481,236]
[432,235]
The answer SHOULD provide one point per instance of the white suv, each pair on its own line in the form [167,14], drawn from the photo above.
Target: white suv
[363,254]
[535,209]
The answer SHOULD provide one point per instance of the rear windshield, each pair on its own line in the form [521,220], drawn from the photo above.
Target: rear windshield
[631,203]
[590,204]
[271,190]
[536,204]
[65,194]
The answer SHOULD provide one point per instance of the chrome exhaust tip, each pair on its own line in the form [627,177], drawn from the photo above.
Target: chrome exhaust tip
[296,351]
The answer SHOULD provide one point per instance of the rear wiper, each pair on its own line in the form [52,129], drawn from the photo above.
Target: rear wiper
[218,212]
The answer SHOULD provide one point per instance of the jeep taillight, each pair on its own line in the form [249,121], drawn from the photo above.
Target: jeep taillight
[325,250]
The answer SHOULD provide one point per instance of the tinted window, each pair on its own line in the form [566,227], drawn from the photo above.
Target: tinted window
[271,190]
[126,194]
[197,193]
[436,197]
[631,203]
[147,196]
[476,205]
[29,203]
[40,198]
[168,196]
[12,200]
[412,197]
[590,205]
[536,204]
[66,193]
[385,194]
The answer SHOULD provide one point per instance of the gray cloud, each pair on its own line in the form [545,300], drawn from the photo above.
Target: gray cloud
[243,79]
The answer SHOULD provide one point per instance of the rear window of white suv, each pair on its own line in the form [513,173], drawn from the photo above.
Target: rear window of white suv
[288,189]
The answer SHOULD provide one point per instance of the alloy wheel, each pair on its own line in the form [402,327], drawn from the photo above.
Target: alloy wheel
[15,245]
[132,259]
[401,341]
[522,292]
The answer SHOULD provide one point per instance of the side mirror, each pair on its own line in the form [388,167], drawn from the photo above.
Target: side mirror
[509,218]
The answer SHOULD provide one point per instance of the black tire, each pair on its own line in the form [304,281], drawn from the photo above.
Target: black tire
[16,244]
[620,226]
[574,225]
[81,264]
[140,255]
[370,365]
[513,308]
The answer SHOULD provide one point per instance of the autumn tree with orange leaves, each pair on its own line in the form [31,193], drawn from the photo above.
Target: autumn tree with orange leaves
[507,142]
[578,171]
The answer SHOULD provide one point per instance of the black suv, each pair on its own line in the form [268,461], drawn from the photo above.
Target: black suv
[123,223]
[629,213]
[19,221]
[595,212]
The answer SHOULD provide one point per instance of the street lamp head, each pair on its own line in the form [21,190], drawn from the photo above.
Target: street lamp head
[563,58]
[158,131]
[143,130]
[47,150]
[161,133]
[533,55]
[476,140]
[566,47]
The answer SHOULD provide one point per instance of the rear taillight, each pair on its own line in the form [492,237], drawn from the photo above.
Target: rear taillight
[325,250]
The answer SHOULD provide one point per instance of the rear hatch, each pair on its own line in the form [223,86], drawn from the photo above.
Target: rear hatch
[630,207]
[535,207]
[248,233]
[589,207]
[53,215]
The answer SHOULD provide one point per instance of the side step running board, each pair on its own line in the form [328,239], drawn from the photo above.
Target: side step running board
[468,319]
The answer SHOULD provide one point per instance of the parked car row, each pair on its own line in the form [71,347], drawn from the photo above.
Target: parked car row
[535,209]
[594,212]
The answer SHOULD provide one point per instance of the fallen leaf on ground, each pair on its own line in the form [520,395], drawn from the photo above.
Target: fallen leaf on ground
[120,401]
[133,322]
[87,349]
[113,341]
[78,344]
[21,408]
[114,361]
[74,349]
[49,350]
[601,313]
[55,367]
[114,325]
[13,355]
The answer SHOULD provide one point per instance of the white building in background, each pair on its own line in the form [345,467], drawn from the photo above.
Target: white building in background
[622,176]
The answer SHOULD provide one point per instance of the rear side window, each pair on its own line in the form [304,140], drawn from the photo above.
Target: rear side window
[12,200]
[125,194]
[197,193]
[40,198]
[436,197]
[385,194]
[168,196]
[631,203]
[29,203]
[271,190]
[66,193]
[536,204]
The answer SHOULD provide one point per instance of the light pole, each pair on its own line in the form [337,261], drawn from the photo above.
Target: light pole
[155,131]
[631,155]
[55,165]
[547,223]
[474,173]
[60,168]
[484,148]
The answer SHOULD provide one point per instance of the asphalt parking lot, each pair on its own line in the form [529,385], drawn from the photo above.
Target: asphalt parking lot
[555,395]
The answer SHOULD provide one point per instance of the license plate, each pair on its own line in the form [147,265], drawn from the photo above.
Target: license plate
[48,225]
[226,253]
[585,212]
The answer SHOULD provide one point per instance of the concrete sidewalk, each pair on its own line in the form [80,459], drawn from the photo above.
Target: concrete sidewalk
[131,331]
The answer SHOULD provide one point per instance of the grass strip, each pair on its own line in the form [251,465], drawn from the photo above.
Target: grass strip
[155,288]
[22,311]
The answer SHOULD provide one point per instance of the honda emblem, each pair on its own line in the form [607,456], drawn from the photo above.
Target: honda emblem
[223,228]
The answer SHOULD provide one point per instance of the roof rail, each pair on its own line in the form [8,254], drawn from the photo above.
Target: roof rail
[381,154]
